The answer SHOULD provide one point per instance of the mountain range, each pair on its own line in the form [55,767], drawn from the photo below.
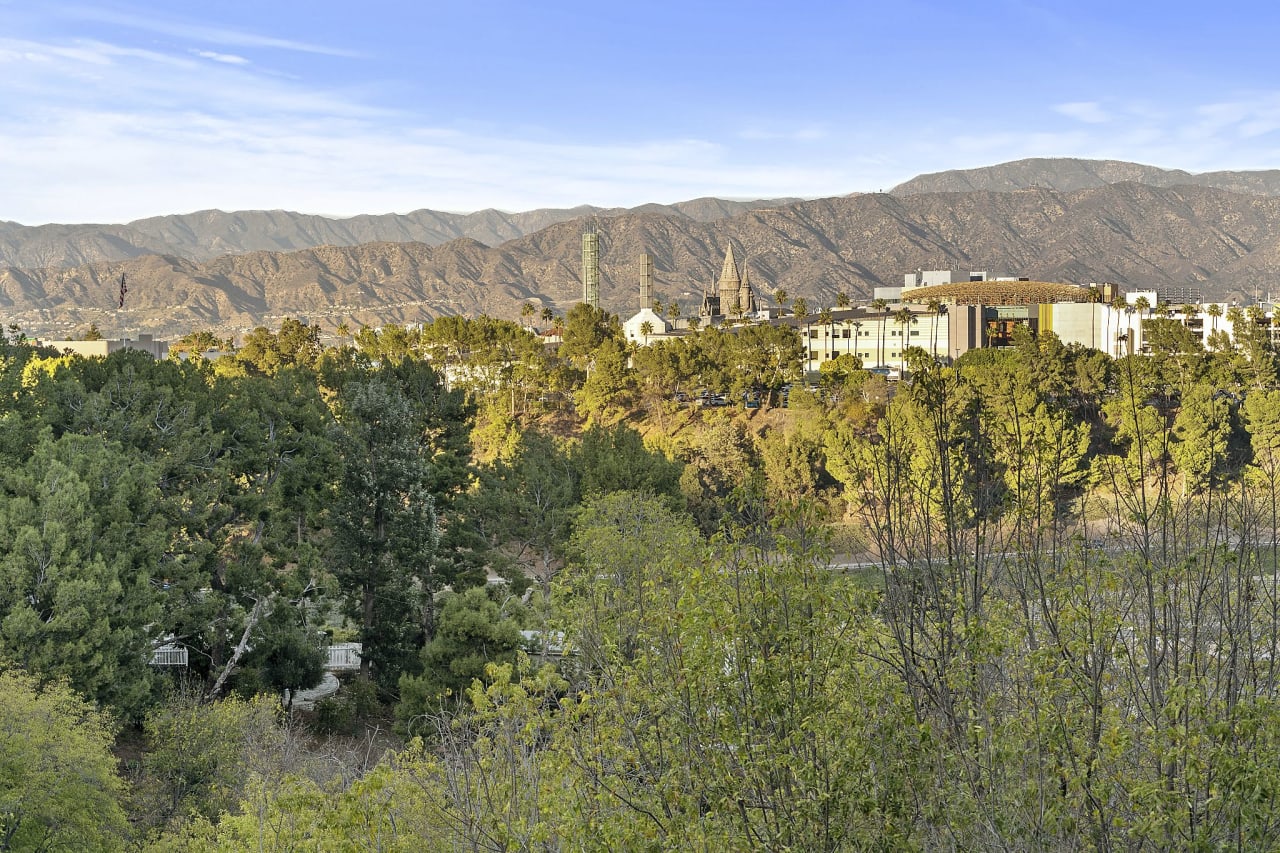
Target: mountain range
[1057,220]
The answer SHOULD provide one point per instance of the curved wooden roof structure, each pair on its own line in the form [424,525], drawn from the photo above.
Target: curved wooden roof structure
[998,293]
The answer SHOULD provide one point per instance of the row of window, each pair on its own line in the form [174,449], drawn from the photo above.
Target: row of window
[819,332]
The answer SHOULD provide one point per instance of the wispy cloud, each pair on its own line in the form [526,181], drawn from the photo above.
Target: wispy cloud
[200,32]
[1090,112]
[228,58]
[104,132]
[111,128]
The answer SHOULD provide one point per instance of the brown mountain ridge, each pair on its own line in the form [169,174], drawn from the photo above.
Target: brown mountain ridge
[1226,243]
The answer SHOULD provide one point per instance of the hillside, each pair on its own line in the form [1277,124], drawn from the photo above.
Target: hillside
[208,234]
[1066,174]
[1137,235]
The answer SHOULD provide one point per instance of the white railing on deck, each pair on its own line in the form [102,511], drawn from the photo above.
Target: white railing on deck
[344,656]
[170,654]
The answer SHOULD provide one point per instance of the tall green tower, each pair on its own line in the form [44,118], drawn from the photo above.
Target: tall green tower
[591,267]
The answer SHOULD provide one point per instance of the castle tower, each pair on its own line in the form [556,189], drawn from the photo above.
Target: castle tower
[746,297]
[730,282]
[591,267]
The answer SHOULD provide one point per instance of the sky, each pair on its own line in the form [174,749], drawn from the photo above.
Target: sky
[114,111]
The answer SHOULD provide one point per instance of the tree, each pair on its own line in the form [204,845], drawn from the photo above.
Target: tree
[780,297]
[296,344]
[905,318]
[58,785]
[614,459]
[201,755]
[197,342]
[384,531]
[586,329]
[547,314]
[473,632]
[883,307]
[92,333]
[937,309]
[826,320]
[526,312]
[530,500]
[842,300]
[84,533]
[646,329]
[1214,311]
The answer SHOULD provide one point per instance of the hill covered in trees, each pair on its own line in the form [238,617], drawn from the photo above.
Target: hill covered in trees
[1025,601]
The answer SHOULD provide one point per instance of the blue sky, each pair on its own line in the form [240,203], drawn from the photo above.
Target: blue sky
[111,111]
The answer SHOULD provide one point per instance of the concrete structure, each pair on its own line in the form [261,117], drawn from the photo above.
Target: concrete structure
[591,267]
[634,326]
[933,278]
[1096,325]
[103,348]
[877,338]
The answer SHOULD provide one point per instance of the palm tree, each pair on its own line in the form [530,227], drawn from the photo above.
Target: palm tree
[780,296]
[883,307]
[801,310]
[526,311]
[857,330]
[936,308]
[547,314]
[1143,306]
[673,310]
[1235,316]
[842,300]
[904,317]
[1117,304]
[1214,311]
[646,329]
[344,332]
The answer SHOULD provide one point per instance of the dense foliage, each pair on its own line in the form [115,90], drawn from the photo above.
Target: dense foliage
[1027,601]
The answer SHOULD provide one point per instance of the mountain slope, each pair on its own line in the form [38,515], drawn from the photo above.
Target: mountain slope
[210,233]
[1136,235]
[1067,174]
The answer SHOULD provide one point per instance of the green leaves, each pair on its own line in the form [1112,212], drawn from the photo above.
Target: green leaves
[58,785]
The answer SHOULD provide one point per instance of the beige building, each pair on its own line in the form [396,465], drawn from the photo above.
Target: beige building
[103,348]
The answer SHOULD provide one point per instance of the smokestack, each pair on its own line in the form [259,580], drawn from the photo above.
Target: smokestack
[646,280]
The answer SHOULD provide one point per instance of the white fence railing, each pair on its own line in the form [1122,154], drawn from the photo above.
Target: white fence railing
[344,656]
[170,654]
[340,656]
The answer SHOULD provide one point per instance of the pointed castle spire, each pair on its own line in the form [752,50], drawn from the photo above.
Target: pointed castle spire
[730,281]
[746,298]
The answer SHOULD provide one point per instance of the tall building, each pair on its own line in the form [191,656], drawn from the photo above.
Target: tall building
[645,324]
[591,267]
[732,295]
